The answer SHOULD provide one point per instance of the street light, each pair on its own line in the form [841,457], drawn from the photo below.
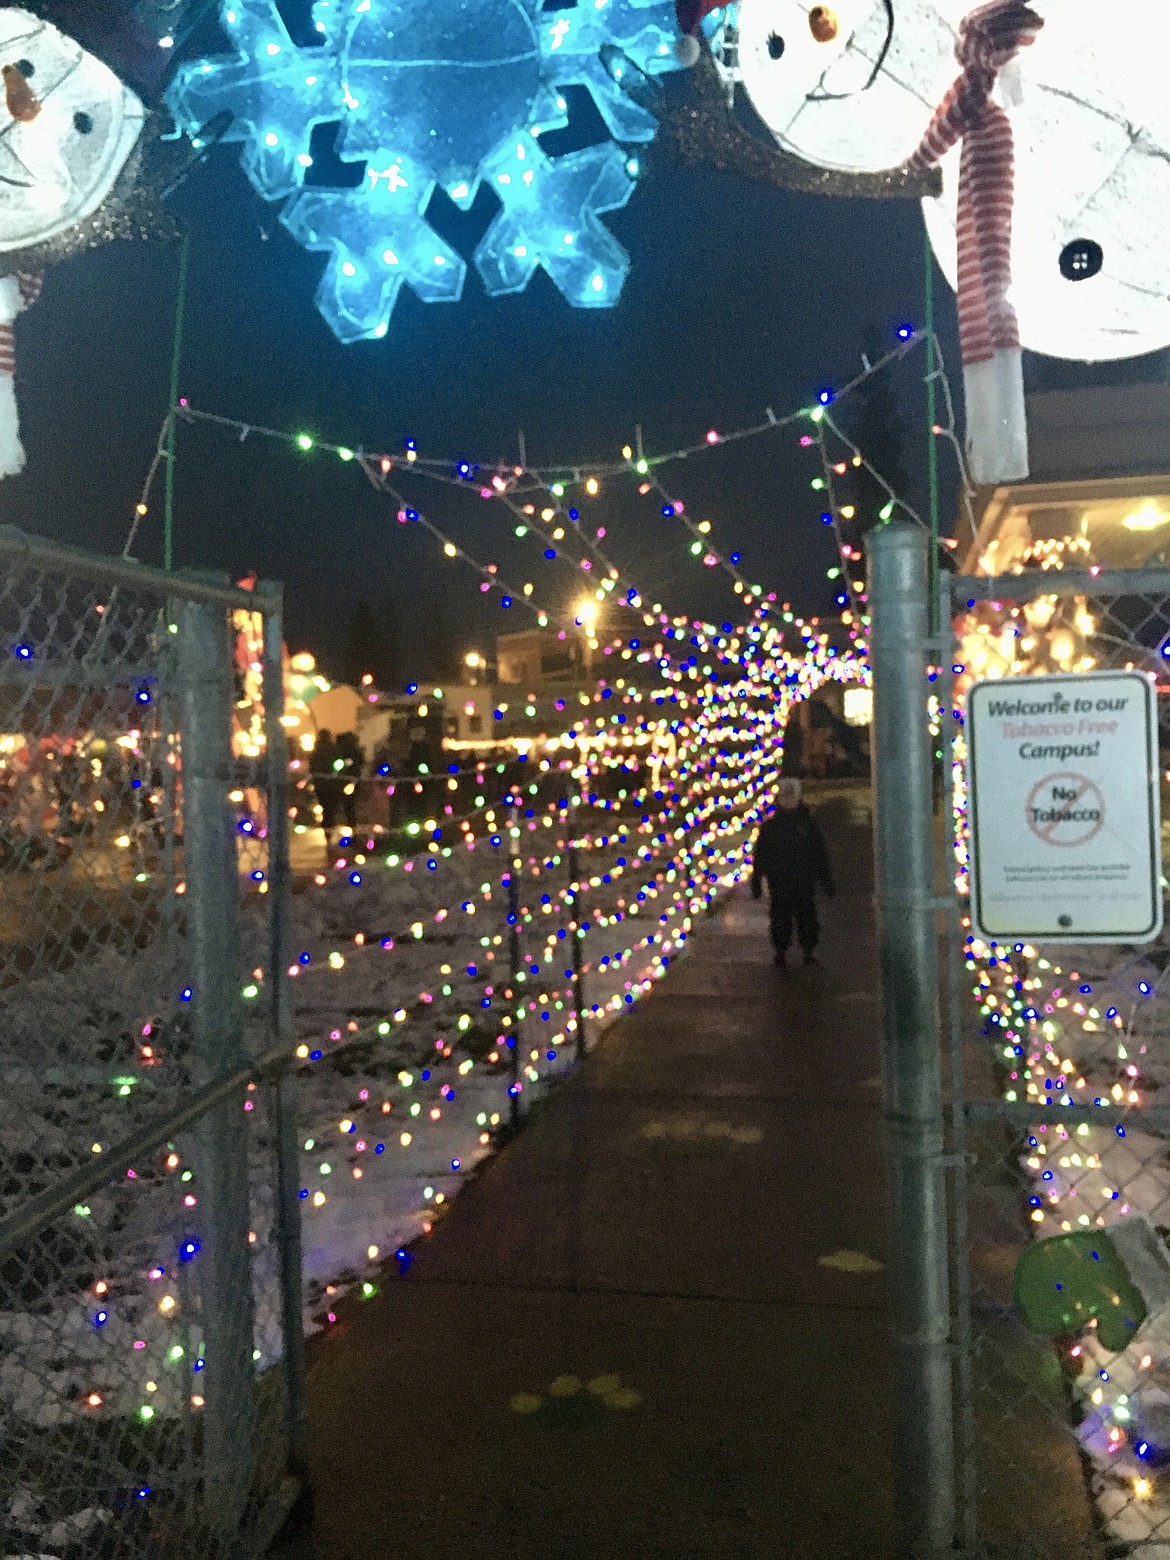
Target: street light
[587,618]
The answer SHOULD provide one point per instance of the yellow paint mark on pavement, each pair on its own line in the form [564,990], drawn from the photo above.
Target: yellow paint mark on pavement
[566,1396]
[850,1262]
[526,1403]
[601,1386]
[624,1397]
[690,1129]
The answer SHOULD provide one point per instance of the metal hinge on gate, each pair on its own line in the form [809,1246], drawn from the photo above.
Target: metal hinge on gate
[917,1339]
[909,1149]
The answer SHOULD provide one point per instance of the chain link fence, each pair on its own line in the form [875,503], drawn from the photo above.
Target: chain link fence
[1061,1063]
[151,1364]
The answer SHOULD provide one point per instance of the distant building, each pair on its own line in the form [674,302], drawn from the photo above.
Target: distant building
[339,708]
[1106,431]
[1098,499]
[514,716]
[1099,490]
[537,655]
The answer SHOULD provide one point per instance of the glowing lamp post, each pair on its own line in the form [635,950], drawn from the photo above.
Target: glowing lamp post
[587,620]
[475,663]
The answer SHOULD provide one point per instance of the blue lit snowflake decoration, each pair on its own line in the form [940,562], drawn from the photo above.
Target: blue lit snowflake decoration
[436,93]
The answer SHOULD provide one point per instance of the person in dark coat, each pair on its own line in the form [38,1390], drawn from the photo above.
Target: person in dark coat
[327,782]
[791,858]
[352,760]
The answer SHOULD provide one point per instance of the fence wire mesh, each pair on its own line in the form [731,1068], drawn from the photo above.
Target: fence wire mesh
[1061,1066]
[140,1235]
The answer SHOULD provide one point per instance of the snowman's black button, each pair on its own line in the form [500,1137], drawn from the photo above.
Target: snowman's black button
[82,123]
[26,68]
[776,46]
[1081,259]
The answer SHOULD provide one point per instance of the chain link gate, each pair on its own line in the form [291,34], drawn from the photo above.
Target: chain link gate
[1025,1097]
[1060,1054]
[151,1345]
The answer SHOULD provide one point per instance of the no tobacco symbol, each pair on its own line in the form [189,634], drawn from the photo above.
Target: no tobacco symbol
[1065,809]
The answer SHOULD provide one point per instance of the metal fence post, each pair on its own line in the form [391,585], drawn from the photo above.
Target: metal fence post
[577,932]
[943,658]
[516,1036]
[221,1140]
[284,1090]
[912,1060]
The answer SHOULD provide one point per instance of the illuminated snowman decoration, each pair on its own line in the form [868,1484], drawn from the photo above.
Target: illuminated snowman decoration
[854,86]
[68,126]
[849,86]
[1091,227]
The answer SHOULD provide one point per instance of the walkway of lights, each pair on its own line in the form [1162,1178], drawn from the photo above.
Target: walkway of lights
[415,1031]
[407,1003]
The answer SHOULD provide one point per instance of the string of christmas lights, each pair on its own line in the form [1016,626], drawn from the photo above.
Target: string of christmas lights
[142,507]
[488,572]
[509,484]
[570,474]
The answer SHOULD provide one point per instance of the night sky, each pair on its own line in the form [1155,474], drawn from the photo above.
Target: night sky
[739,297]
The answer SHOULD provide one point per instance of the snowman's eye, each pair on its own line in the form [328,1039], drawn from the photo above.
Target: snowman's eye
[775,46]
[82,123]
[1082,259]
[26,68]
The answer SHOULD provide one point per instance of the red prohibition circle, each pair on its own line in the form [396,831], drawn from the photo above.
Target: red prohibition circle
[1085,791]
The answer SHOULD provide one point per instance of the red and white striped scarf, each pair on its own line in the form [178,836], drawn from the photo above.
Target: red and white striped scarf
[990,37]
[30,285]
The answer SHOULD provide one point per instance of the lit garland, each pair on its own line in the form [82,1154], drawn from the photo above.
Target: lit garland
[415,1034]
[529,492]
[520,477]
[695,748]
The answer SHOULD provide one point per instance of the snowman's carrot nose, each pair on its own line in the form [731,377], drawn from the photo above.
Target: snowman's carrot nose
[23,103]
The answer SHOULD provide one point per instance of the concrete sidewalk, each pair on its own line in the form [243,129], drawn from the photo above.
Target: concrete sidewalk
[662,1222]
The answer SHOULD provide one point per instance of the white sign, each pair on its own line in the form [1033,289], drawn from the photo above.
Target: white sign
[1064,808]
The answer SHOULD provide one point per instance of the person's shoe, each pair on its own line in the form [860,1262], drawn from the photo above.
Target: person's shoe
[811,958]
